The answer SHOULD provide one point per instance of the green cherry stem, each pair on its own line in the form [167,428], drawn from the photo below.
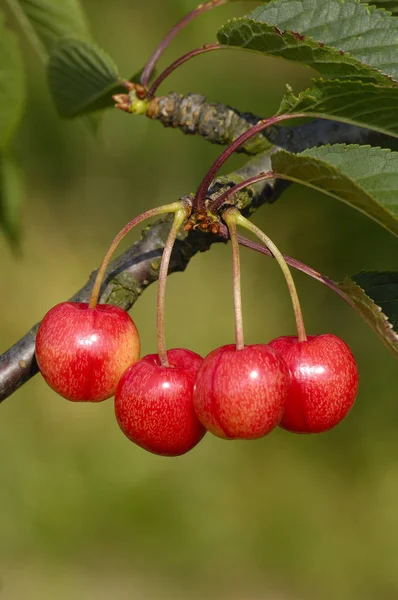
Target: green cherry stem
[179,218]
[243,222]
[154,212]
[230,219]
[165,42]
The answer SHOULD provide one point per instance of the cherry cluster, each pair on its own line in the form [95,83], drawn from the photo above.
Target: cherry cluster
[90,354]
[166,402]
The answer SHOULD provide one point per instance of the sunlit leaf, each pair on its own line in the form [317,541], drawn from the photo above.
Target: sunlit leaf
[344,40]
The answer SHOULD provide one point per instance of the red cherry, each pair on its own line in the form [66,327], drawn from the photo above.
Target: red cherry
[82,352]
[324,382]
[240,394]
[154,406]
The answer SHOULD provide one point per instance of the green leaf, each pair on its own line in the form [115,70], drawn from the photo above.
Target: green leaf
[341,39]
[45,22]
[375,296]
[366,178]
[364,104]
[82,78]
[11,195]
[12,84]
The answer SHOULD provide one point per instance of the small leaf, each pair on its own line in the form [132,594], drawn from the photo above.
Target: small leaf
[340,39]
[363,104]
[375,296]
[11,195]
[12,84]
[82,78]
[366,178]
[45,22]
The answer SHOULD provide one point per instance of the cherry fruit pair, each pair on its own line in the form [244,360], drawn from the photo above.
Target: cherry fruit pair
[306,387]
[233,394]
[82,353]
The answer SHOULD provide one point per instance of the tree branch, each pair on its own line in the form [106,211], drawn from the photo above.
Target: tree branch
[222,124]
[131,273]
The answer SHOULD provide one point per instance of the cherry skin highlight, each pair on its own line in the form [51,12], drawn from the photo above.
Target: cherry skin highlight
[241,394]
[82,352]
[154,405]
[324,382]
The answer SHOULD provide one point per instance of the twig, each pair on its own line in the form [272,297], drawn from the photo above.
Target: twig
[221,124]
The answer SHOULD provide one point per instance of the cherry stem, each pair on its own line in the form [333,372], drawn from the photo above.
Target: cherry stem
[180,61]
[200,198]
[154,212]
[165,42]
[230,218]
[243,222]
[179,218]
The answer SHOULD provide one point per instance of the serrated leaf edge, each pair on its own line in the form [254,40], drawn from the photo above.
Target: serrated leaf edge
[392,343]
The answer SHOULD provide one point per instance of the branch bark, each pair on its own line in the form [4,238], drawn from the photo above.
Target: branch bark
[131,273]
[222,124]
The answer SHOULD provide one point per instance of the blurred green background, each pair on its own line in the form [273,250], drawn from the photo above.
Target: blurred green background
[85,514]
